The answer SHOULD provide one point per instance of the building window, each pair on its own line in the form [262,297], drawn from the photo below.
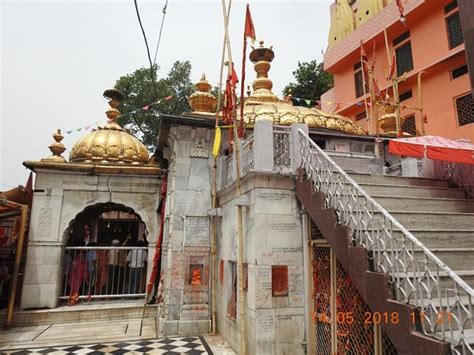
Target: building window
[279,280]
[359,81]
[361,115]
[232,304]
[460,71]
[405,95]
[453,22]
[465,109]
[404,58]
[401,38]
[409,125]
[451,6]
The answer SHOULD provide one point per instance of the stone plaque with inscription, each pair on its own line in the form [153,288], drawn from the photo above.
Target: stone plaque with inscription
[197,231]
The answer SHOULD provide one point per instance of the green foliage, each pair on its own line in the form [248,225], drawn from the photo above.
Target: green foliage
[138,92]
[311,81]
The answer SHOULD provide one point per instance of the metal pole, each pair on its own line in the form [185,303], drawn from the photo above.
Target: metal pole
[396,99]
[16,267]
[214,218]
[420,104]
[240,261]
[332,303]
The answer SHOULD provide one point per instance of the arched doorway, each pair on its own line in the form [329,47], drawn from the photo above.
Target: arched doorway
[105,255]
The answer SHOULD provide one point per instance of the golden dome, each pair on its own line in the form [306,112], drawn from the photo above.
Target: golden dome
[282,113]
[202,101]
[110,144]
[263,104]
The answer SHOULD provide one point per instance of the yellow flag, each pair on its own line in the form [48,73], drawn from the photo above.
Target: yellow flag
[217,142]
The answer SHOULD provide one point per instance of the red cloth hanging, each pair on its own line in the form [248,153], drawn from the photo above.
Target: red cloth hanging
[433,147]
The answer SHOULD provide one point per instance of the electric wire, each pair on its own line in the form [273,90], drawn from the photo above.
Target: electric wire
[161,30]
[147,50]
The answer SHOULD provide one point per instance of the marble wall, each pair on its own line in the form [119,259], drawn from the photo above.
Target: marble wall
[59,197]
[186,243]
[273,237]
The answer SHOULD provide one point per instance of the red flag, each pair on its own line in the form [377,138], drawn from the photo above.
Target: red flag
[29,188]
[249,28]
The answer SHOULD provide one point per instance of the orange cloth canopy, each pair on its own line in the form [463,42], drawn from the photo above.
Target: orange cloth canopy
[433,147]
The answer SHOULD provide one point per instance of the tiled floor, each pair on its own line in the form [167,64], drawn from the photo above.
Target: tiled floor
[171,346]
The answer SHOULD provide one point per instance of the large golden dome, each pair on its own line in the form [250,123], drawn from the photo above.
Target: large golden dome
[282,113]
[263,104]
[110,144]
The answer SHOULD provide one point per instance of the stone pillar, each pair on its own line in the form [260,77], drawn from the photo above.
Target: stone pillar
[410,167]
[466,9]
[295,144]
[263,145]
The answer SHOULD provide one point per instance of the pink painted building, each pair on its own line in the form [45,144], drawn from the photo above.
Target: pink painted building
[430,40]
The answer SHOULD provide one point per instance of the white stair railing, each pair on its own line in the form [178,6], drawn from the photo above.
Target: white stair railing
[420,278]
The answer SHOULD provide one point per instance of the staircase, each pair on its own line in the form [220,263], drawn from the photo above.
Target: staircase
[411,238]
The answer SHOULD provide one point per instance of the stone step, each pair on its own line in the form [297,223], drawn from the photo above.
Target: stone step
[412,191]
[397,180]
[194,312]
[435,220]
[82,313]
[443,238]
[423,204]
[455,258]
[445,280]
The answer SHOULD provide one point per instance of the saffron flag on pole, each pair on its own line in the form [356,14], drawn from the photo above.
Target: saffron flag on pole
[217,142]
[249,28]
[249,32]
[401,8]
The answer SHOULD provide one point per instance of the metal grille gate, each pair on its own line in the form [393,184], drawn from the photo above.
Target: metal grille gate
[342,321]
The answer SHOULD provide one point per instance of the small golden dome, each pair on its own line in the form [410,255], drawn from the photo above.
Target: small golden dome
[110,144]
[281,113]
[202,101]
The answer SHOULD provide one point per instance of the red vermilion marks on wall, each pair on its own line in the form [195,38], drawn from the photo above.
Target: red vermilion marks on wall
[246,276]
[279,280]
[195,274]
[221,272]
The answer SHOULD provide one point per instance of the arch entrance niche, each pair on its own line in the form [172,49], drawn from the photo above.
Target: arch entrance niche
[105,255]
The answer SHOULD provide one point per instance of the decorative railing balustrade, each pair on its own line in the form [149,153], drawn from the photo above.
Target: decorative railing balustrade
[259,155]
[443,299]
[281,149]
[103,272]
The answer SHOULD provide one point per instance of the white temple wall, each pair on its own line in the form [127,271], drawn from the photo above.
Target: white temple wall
[186,240]
[64,196]
[272,237]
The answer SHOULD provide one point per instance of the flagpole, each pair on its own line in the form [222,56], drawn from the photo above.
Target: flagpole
[214,217]
[363,89]
[240,262]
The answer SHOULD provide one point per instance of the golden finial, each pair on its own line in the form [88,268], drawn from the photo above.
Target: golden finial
[202,101]
[115,97]
[57,148]
[262,86]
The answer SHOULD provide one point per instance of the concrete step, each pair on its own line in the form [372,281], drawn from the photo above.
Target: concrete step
[397,180]
[445,280]
[435,220]
[442,238]
[412,191]
[423,204]
[82,313]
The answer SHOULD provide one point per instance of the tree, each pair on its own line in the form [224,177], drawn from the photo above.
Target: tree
[311,82]
[139,92]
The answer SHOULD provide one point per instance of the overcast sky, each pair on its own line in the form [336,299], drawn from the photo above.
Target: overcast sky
[58,57]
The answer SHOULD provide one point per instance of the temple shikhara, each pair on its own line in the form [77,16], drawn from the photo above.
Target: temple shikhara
[346,228]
